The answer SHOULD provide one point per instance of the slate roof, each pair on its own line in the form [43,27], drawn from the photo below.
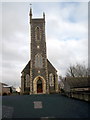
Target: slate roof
[26,70]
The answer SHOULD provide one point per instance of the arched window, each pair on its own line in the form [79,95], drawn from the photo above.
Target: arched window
[51,79]
[37,33]
[38,61]
[27,81]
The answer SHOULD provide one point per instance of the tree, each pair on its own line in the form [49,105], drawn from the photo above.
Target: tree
[77,70]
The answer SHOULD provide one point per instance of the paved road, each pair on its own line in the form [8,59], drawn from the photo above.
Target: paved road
[41,106]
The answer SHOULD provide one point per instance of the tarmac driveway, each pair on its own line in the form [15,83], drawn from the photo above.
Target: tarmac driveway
[43,106]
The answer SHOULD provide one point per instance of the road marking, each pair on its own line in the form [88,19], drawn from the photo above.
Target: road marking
[38,105]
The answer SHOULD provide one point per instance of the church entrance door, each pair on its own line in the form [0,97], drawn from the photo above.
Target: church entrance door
[39,86]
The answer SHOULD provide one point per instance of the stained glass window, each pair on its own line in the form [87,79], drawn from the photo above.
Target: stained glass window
[27,81]
[51,80]
[38,61]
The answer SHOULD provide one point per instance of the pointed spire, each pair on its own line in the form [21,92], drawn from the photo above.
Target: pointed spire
[30,14]
[43,15]
[30,11]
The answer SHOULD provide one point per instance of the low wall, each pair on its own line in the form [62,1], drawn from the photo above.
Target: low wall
[77,95]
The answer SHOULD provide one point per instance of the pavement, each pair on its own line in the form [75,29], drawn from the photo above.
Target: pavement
[43,106]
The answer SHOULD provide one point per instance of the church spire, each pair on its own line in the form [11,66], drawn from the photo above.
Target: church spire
[43,15]
[30,14]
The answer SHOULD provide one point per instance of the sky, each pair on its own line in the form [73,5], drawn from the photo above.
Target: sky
[66,36]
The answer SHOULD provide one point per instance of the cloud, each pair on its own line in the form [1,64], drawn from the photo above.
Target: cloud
[64,26]
[64,53]
[66,36]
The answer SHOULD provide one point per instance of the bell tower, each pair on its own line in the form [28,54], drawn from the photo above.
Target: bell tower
[38,64]
[39,76]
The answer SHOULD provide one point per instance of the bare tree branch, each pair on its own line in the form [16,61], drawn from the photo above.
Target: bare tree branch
[77,70]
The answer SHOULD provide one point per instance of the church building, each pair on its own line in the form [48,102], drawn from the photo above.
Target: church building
[39,76]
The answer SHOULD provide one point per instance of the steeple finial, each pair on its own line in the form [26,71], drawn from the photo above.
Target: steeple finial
[43,15]
[30,14]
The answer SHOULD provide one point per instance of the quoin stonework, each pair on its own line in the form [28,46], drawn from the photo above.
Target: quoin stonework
[39,76]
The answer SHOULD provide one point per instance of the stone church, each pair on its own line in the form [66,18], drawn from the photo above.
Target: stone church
[39,76]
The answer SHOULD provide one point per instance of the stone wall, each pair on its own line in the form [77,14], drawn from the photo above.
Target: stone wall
[79,95]
[79,87]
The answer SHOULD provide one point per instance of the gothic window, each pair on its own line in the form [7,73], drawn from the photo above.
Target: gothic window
[38,61]
[27,81]
[37,33]
[51,80]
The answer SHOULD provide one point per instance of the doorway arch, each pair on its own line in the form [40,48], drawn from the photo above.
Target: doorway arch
[39,85]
